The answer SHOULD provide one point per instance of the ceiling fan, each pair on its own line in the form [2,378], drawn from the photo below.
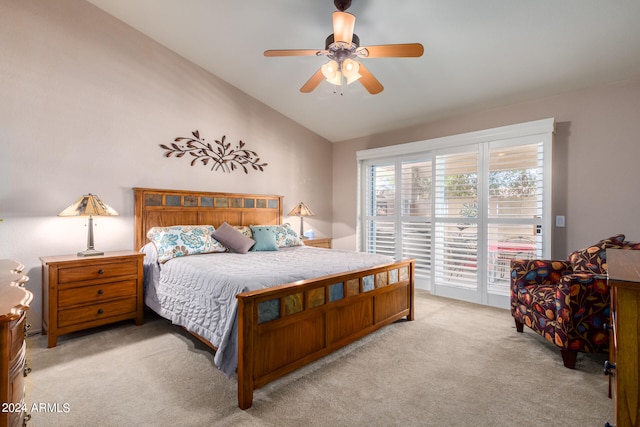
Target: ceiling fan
[342,48]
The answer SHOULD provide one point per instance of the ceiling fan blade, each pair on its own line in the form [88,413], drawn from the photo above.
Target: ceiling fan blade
[313,82]
[343,24]
[369,82]
[293,52]
[406,50]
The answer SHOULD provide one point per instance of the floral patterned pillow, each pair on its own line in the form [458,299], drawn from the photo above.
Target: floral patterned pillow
[244,229]
[183,240]
[290,237]
[594,258]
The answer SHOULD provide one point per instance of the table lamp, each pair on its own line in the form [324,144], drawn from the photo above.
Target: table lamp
[301,210]
[89,205]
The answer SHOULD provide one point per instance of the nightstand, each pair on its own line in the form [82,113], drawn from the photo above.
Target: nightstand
[84,292]
[320,242]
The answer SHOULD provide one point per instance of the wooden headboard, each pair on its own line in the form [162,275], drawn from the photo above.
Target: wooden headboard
[163,208]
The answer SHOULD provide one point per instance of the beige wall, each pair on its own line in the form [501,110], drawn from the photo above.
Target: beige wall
[596,153]
[85,102]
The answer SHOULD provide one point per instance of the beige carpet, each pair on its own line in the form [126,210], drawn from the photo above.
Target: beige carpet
[457,364]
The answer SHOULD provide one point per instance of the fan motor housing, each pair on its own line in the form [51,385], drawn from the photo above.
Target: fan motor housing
[341,51]
[355,41]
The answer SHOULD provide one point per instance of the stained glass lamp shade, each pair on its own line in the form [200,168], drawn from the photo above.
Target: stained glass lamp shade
[89,205]
[301,210]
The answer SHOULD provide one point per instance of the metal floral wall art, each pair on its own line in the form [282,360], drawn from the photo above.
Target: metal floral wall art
[221,155]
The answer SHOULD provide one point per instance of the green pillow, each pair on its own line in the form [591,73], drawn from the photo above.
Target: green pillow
[265,239]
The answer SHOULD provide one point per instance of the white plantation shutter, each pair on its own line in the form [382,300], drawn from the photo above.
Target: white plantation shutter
[515,201]
[456,199]
[415,218]
[380,222]
[515,181]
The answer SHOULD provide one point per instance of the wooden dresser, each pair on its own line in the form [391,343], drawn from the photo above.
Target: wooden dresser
[84,292]
[14,302]
[623,366]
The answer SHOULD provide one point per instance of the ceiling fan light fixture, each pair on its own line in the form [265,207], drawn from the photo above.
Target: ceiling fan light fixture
[343,25]
[350,70]
[352,78]
[331,72]
[342,47]
[330,69]
[336,80]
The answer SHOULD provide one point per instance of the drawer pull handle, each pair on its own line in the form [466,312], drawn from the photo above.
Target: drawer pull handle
[101,271]
[609,367]
[100,292]
[26,371]
[100,311]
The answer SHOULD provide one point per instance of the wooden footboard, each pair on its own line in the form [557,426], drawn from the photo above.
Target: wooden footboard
[283,328]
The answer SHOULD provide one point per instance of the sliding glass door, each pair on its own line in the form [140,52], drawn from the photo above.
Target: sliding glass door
[463,212]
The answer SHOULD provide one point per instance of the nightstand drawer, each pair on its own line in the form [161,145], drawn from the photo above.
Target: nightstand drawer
[97,271]
[96,293]
[95,312]
[16,337]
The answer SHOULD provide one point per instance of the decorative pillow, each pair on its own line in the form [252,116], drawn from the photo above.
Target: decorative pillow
[183,240]
[289,238]
[285,236]
[233,239]
[265,238]
[244,229]
[594,258]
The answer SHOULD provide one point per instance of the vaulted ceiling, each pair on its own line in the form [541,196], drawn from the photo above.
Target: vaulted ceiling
[478,54]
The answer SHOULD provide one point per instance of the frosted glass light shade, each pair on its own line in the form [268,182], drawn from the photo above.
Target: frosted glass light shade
[331,72]
[343,25]
[350,70]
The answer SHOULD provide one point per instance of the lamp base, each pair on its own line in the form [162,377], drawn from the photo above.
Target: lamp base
[90,252]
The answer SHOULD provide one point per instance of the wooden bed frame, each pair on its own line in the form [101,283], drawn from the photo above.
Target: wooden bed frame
[316,316]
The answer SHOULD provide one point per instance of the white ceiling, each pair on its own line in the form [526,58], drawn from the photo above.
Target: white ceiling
[478,54]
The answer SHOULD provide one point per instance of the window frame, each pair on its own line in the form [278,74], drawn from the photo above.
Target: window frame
[541,130]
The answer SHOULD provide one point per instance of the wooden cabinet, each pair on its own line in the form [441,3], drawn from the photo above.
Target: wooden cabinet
[623,267]
[320,242]
[14,301]
[84,292]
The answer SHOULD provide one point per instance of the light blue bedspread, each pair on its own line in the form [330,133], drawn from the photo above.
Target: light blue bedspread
[199,291]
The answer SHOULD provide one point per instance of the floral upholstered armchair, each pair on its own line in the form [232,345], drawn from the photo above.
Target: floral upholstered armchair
[567,302]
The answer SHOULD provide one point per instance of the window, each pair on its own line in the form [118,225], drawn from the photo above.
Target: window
[461,206]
